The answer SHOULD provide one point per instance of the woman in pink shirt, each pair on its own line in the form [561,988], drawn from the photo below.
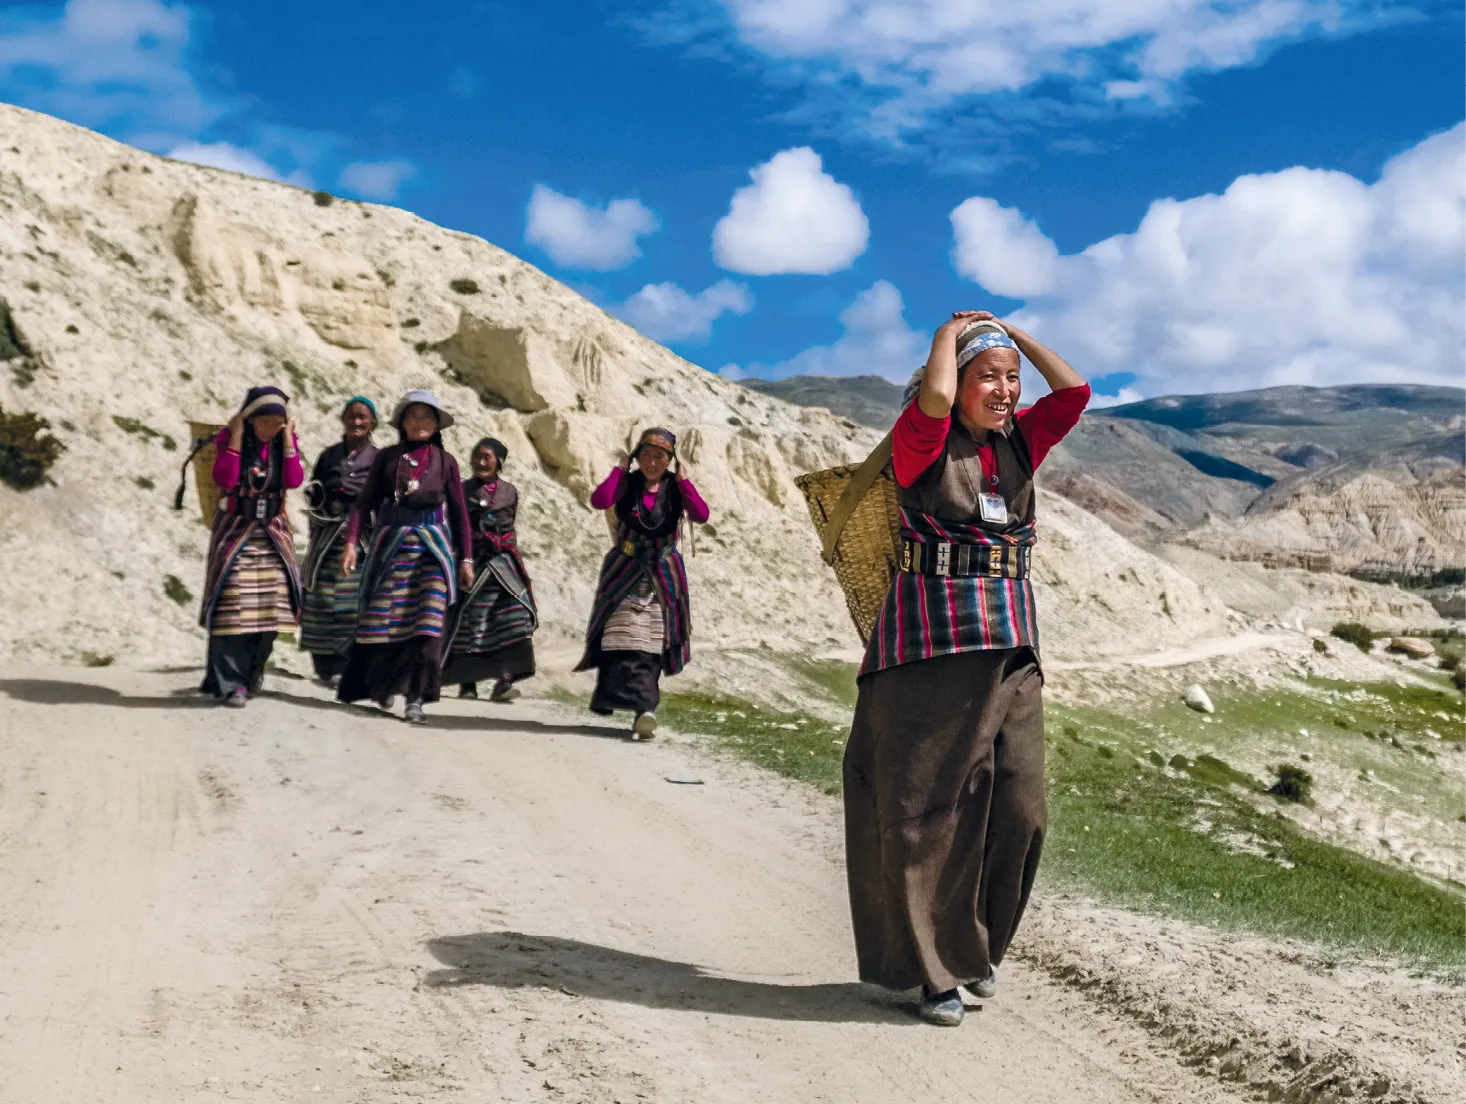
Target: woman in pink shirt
[252,589]
[641,621]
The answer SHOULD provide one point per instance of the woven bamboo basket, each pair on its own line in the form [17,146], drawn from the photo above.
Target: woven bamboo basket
[868,550]
[203,454]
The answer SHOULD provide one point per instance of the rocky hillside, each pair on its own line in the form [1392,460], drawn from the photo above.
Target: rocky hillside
[141,293]
[870,400]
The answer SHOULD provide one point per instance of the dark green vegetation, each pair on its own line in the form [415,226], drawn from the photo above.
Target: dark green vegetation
[136,428]
[12,345]
[1354,632]
[323,199]
[1148,813]
[173,587]
[464,286]
[92,659]
[27,450]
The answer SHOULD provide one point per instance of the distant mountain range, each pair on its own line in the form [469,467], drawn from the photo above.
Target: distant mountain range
[1366,478]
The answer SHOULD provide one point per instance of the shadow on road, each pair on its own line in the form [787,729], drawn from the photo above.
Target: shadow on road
[59,692]
[510,960]
[63,692]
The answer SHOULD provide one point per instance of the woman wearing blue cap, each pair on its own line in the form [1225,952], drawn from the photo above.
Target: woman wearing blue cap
[329,620]
[944,776]
[420,554]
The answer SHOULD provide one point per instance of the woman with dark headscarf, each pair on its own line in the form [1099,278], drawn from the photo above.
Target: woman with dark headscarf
[329,621]
[490,635]
[641,620]
[414,497]
[944,774]
[252,586]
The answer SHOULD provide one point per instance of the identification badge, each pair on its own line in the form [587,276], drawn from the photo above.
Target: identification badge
[260,509]
[994,510]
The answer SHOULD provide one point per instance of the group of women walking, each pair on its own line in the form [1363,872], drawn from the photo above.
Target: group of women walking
[413,575]
[944,769]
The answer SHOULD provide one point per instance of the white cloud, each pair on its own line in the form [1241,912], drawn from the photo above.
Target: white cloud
[1001,250]
[895,61]
[732,372]
[1302,276]
[222,155]
[1120,398]
[665,312]
[107,63]
[378,180]
[876,341]
[577,235]
[793,218]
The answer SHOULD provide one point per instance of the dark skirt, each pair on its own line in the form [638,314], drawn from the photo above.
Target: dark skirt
[508,664]
[627,680]
[411,668]
[944,815]
[237,663]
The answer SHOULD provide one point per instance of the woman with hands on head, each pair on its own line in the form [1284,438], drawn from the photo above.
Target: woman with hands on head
[641,619]
[421,552]
[252,587]
[943,772]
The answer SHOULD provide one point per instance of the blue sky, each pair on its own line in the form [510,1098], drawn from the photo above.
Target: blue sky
[1179,196]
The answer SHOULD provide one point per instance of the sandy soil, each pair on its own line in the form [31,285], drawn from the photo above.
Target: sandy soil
[308,902]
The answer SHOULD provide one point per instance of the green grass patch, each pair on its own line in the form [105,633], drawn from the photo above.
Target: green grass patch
[793,744]
[1186,835]
[175,590]
[1187,843]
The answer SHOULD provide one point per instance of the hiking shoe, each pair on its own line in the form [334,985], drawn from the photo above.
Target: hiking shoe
[237,699]
[256,684]
[644,727]
[468,690]
[504,691]
[942,1009]
[413,714]
[987,988]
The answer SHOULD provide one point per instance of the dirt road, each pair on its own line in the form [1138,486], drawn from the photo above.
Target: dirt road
[308,902]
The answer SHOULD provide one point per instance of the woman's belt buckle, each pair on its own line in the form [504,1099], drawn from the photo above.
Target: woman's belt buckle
[944,559]
[628,548]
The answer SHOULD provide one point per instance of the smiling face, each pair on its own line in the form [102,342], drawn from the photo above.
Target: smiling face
[485,464]
[267,426]
[987,394]
[653,461]
[356,422]
[419,422]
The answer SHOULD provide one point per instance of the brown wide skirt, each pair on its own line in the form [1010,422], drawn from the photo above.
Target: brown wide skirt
[944,815]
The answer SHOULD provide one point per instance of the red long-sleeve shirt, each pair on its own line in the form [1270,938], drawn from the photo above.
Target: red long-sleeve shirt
[605,496]
[919,438]
[227,463]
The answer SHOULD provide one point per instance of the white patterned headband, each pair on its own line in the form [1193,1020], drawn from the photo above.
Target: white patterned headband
[985,335]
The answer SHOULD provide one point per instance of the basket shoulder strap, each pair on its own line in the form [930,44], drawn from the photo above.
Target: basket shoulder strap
[860,482]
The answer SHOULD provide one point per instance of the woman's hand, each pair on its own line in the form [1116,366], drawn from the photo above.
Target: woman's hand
[291,444]
[236,431]
[348,559]
[623,460]
[959,321]
[465,574]
[684,473]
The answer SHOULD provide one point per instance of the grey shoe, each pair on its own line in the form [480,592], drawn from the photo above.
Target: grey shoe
[413,714]
[237,699]
[987,988]
[942,1009]
[504,691]
[644,727]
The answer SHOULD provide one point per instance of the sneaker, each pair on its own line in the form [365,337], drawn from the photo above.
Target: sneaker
[237,699]
[413,714]
[468,690]
[987,988]
[504,691]
[644,727]
[942,1009]
[387,703]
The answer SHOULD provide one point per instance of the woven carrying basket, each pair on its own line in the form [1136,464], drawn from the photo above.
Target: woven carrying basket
[866,549]
[201,456]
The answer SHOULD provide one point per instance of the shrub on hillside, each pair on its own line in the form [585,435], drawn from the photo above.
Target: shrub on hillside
[464,286]
[1319,646]
[1294,783]
[323,199]
[1354,632]
[27,451]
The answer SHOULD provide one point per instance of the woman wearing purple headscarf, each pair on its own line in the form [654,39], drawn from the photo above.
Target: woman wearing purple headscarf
[252,589]
[641,620]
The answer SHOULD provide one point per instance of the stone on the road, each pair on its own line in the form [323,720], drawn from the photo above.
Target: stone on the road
[1196,698]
